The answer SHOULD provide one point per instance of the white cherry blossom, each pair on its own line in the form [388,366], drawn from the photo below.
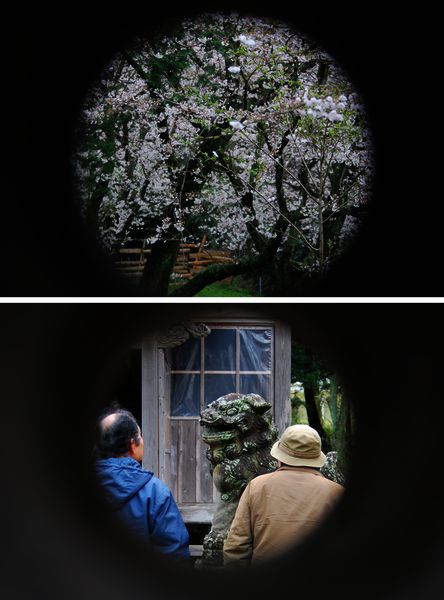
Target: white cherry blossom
[175,148]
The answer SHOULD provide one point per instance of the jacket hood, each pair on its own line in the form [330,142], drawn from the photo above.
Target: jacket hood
[121,478]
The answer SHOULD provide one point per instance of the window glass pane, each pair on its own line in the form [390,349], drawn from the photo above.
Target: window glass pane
[185,395]
[255,384]
[218,385]
[220,350]
[255,349]
[186,357]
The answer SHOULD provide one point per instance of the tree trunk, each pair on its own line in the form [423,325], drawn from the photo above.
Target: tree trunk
[344,435]
[333,401]
[311,393]
[158,268]
[321,236]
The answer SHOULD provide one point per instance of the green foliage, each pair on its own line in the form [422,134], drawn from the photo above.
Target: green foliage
[307,367]
[224,289]
[169,66]
[332,408]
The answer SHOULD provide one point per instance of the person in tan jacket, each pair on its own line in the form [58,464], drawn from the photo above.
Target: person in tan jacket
[278,509]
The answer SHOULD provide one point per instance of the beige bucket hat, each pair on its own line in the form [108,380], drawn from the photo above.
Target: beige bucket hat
[299,446]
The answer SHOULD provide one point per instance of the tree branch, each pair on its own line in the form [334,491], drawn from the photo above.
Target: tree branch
[135,65]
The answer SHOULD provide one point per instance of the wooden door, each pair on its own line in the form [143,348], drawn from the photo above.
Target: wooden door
[183,464]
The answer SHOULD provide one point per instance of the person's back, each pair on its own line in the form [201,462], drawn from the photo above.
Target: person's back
[279,509]
[139,498]
[145,503]
[283,507]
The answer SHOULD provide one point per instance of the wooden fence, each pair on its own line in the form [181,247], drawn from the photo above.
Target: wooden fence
[191,259]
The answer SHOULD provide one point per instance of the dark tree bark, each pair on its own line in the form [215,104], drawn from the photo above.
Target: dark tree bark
[323,70]
[345,451]
[92,213]
[156,275]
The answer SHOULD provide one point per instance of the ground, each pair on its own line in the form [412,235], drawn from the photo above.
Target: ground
[226,288]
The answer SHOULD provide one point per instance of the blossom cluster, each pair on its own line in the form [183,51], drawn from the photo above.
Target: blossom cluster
[325,108]
[200,142]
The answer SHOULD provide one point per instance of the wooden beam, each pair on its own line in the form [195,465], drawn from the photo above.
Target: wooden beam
[128,263]
[196,550]
[197,513]
[202,242]
[150,404]
[134,250]
[210,254]
[130,268]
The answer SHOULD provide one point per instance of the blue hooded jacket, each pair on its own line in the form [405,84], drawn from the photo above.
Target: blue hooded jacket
[145,503]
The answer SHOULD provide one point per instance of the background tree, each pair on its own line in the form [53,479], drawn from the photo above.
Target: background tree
[328,409]
[232,127]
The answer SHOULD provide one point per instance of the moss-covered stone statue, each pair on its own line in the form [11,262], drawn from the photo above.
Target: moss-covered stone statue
[331,469]
[239,432]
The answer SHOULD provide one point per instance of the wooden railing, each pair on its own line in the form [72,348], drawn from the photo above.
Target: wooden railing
[191,259]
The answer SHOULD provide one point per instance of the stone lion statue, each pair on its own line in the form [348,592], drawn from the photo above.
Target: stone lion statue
[331,469]
[239,432]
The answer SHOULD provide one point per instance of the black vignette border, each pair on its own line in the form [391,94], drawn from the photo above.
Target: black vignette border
[388,534]
[55,55]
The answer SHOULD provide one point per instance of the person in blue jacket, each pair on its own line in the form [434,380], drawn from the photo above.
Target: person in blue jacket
[142,500]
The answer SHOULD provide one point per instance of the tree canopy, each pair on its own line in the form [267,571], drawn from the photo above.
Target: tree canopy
[320,387]
[234,127]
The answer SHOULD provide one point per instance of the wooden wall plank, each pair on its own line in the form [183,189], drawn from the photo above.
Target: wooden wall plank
[174,459]
[282,376]
[150,405]
[164,437]
[187,461]
[204,481]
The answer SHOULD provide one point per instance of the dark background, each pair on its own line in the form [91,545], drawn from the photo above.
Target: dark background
[60,365]
[56,53]
[58,362]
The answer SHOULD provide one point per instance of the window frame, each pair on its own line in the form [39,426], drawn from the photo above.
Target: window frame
[237,372]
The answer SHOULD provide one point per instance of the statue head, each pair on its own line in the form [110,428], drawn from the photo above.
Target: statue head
[239,432]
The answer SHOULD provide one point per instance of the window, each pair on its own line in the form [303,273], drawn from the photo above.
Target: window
[229,359]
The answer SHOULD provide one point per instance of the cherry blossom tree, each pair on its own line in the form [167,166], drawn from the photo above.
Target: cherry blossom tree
[234,127]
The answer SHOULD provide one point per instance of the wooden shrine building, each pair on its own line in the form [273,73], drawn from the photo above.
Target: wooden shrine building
[187,363]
